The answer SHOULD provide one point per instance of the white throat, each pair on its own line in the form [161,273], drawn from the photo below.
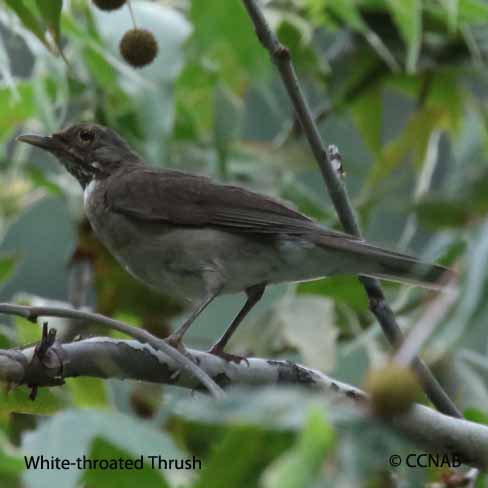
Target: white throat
[89,189]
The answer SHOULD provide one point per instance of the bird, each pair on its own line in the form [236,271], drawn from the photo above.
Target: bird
[194,239]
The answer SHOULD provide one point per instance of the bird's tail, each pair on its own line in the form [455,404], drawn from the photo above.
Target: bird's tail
[381,263]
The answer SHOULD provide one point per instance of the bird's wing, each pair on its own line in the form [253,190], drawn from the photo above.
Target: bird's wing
[183,199]
[187,200]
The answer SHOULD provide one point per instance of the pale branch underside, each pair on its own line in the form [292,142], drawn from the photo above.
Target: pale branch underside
[33,313]
[104,357]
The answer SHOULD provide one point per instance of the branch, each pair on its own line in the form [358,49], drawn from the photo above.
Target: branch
[105,357]
[32,313]
[377,303]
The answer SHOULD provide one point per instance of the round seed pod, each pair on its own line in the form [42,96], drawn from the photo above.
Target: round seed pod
[138,47]
[393,389]
[108,4]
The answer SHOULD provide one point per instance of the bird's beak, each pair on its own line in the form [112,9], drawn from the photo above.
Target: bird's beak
[44,142]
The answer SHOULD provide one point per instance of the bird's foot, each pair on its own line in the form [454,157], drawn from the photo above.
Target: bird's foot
[231,358]
[175,341]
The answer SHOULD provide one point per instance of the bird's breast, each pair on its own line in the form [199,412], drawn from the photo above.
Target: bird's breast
[151,252]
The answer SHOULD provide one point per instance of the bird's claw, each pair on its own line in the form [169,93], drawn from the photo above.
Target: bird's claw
[175,342]
[230,358]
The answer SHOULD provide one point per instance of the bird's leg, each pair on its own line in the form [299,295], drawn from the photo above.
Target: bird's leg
[254,294]
[176,337]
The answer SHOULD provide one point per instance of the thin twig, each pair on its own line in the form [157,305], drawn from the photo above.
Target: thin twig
[281,57]
[32,313]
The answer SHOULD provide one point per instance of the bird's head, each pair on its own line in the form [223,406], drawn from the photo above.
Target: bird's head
[88,151]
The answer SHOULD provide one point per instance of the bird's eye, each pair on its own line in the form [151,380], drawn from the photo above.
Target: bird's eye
[86,135]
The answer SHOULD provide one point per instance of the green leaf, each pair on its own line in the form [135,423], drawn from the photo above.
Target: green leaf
[7,266]
[224,34]
[195,104]
[301,465]
[452,10]
[20,107]
[338,12]
[473,12]
[121,478]
[448,95]
[297,36]
[469,204]
[88,392]
[30,21]
[348,11]
[50,11]
[17,400]
[240,457]
[10,466]
[476,415]
[407,15]
[27,332]
[346,289]
[442,213]
[317,13]
[101,71]
[414,139]
[453,252]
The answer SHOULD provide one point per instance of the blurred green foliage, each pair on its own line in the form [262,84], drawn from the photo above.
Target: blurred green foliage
[398,86]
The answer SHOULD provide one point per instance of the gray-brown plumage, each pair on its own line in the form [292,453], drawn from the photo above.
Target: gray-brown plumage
[195,239]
